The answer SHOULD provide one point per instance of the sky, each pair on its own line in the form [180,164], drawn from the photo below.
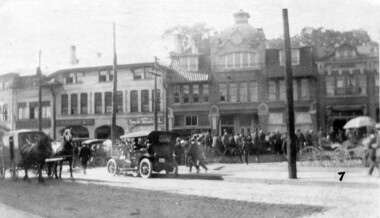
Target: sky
[52,26]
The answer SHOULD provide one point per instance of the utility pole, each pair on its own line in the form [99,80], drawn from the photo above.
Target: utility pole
[155,93]
[114,93]
[39,78]
[291,146]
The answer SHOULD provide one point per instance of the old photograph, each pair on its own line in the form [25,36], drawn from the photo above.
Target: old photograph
[189,108]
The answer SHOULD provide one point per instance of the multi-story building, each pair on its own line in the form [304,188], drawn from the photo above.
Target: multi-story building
[244,83]
[81,98]
[348,85]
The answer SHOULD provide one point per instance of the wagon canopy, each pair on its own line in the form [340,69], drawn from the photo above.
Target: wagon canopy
[362,121]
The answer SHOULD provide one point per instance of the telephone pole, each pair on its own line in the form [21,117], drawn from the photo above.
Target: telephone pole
[39,78]
[114,93]
[155,93]
[291,146]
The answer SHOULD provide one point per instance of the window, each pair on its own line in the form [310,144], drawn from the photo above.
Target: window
[33,110]
[189,63]
[22,114]
[119,102]
[295,57]
[83,103]
[377,83]
[275,118]
[282,90]
[144,100]
[5,112]
[305,89]
[233,92]
[245,60]
[295,90]
[80,76]
[223,92]
[243,92]
[330,86]
[230,59]
[253,60]
[103,76]
[74,104]
[158,101]
[362,89]
[148,73]
[253,91]
[134,101]
[351,85]
[98,102]
[46,109]
[340,85]
[108,102]
[195,93]
[70,79]
[64,104]
[272,90]
[186,94]
[205,92]
[191,120]
[176,94]
[239,60]
[138,73]
[110,76]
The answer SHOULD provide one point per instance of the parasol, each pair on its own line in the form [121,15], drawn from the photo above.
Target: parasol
[358,122]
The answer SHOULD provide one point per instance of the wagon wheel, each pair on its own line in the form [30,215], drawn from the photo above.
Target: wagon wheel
[112,167]
[310,156]
[174,171]
[2,168]
[145,168]
[342,157]
[13,170]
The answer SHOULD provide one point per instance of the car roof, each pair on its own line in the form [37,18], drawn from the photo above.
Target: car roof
[93,141]
[15,132]
[135,134]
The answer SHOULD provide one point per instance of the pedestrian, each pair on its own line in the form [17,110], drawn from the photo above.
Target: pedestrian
[208,140]
[84,156]
[76,154]
[372,146]
[225,140]
[190,154]
[246,147]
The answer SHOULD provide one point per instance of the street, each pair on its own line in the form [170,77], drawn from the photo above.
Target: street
[227,190]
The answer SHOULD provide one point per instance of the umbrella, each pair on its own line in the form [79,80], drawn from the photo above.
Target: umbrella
[358,122]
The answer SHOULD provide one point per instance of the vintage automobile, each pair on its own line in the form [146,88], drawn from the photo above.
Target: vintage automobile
[145,153]
[98,150]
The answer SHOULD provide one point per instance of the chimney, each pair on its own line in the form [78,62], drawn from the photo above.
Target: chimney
[177,43]
[241,17]
[73,55]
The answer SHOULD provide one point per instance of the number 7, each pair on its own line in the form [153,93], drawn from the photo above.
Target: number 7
[342,174]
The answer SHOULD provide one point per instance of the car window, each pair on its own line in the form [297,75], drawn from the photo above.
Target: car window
[163,138]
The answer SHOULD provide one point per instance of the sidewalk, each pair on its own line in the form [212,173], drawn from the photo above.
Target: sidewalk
[277,173]
[7,211]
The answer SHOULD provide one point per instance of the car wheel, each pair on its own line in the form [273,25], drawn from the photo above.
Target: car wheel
[145,168]
[174,171]
[112,167]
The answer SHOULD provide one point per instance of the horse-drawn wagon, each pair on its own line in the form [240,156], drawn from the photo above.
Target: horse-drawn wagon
[145,153]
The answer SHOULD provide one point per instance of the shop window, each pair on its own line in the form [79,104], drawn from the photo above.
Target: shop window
[179,120]
[22,112]
[243,92]
[205,92]
[191,120]
[134,101]
[108,102]
[186,94]
[305,89]
[195,93]
[74,104]
[83,103]
[233,92]
[98,103]
[176,94]
[295,90]
[253,91]
[272,90]
[119,102]
[158,101]
[64,104]
[223,92]
[282,90]
[144,100]
[330,86]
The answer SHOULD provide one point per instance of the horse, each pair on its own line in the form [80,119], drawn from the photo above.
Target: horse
[65,150]
[35,155]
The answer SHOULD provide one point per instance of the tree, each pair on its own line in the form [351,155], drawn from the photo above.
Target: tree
[325,39]
[199,34]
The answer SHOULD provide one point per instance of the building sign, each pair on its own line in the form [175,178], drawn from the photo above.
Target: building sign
[32,124]
[76,122]
[144,120]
